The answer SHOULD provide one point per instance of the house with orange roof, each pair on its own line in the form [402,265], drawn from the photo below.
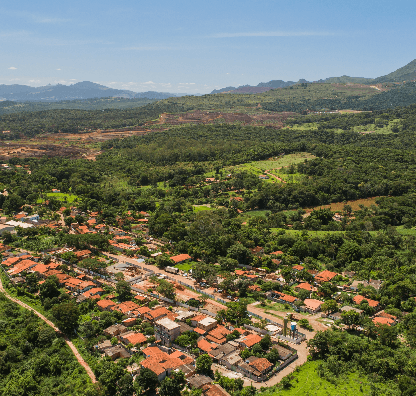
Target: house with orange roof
[380,320]
[10,261]
[325,276]
[156,314]
[304,286]
[214,390]
[161,363]
[196,319]
[141,311]
[132,337]
[262,365]
[312,305]
[105,305]
[218,335]
[372,303]
[21,267]
[129,322]
[281,297]
[205,346]
[248,341]
[298,267]
[126,307]
[180,258]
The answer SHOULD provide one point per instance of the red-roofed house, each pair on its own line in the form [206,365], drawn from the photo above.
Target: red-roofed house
[105,305]
[132,338]
[205,346]
[312,305]
[379,320]
[325,276]
[181,258]
[249,340]
[303,286]
[298,267]
[156,314]
[372,303]
[282,297]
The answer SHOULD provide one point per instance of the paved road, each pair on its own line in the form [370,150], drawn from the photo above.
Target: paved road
[81,361]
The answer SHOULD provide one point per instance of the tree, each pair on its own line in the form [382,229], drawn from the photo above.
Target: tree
[32,282]
[123,290]
[387,335]
[163,261]
[147,380]
[12,203]
[351,318]
[266,342]
[66,315]
[329,306]
[49,288]
[203,364]
[172,386]
[166,289]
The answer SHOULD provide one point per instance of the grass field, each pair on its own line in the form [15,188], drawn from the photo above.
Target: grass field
[185,266]
[406,231]
[273,165]
[306,382]
[67,198]
[200,208]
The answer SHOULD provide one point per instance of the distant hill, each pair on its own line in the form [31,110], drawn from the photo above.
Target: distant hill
[78,91]
[9,107]
[347,80]
[405,73]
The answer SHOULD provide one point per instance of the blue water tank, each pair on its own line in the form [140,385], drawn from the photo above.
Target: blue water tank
[293,326]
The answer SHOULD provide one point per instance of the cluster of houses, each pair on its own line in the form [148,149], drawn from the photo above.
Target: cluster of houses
[162,355]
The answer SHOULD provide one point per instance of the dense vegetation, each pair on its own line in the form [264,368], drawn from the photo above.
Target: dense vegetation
[33,361]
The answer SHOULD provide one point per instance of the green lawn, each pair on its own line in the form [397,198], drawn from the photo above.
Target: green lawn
[200,208]
[307,382]
[185,266]
[67,198]
[406,231]
[273,165]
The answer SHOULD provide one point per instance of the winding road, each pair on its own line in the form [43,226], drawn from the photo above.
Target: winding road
[81,361]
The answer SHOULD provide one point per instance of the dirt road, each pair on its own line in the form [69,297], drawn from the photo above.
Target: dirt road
[81,361]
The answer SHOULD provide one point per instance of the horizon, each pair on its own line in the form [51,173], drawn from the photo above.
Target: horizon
[196,48]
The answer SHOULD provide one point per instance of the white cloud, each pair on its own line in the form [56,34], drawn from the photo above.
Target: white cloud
[12,68]
[271,34]
[149,83]
[58,69]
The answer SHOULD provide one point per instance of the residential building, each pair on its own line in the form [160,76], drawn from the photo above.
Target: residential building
[167,331]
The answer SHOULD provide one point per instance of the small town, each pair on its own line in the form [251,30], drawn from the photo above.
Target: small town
[155,311]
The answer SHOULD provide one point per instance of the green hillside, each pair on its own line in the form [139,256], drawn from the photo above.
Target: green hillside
[405,73]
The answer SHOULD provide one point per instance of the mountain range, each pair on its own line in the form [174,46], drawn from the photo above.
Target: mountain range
[81,90]
[405,73]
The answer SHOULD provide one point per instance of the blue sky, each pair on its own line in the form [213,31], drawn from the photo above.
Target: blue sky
[197,46]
